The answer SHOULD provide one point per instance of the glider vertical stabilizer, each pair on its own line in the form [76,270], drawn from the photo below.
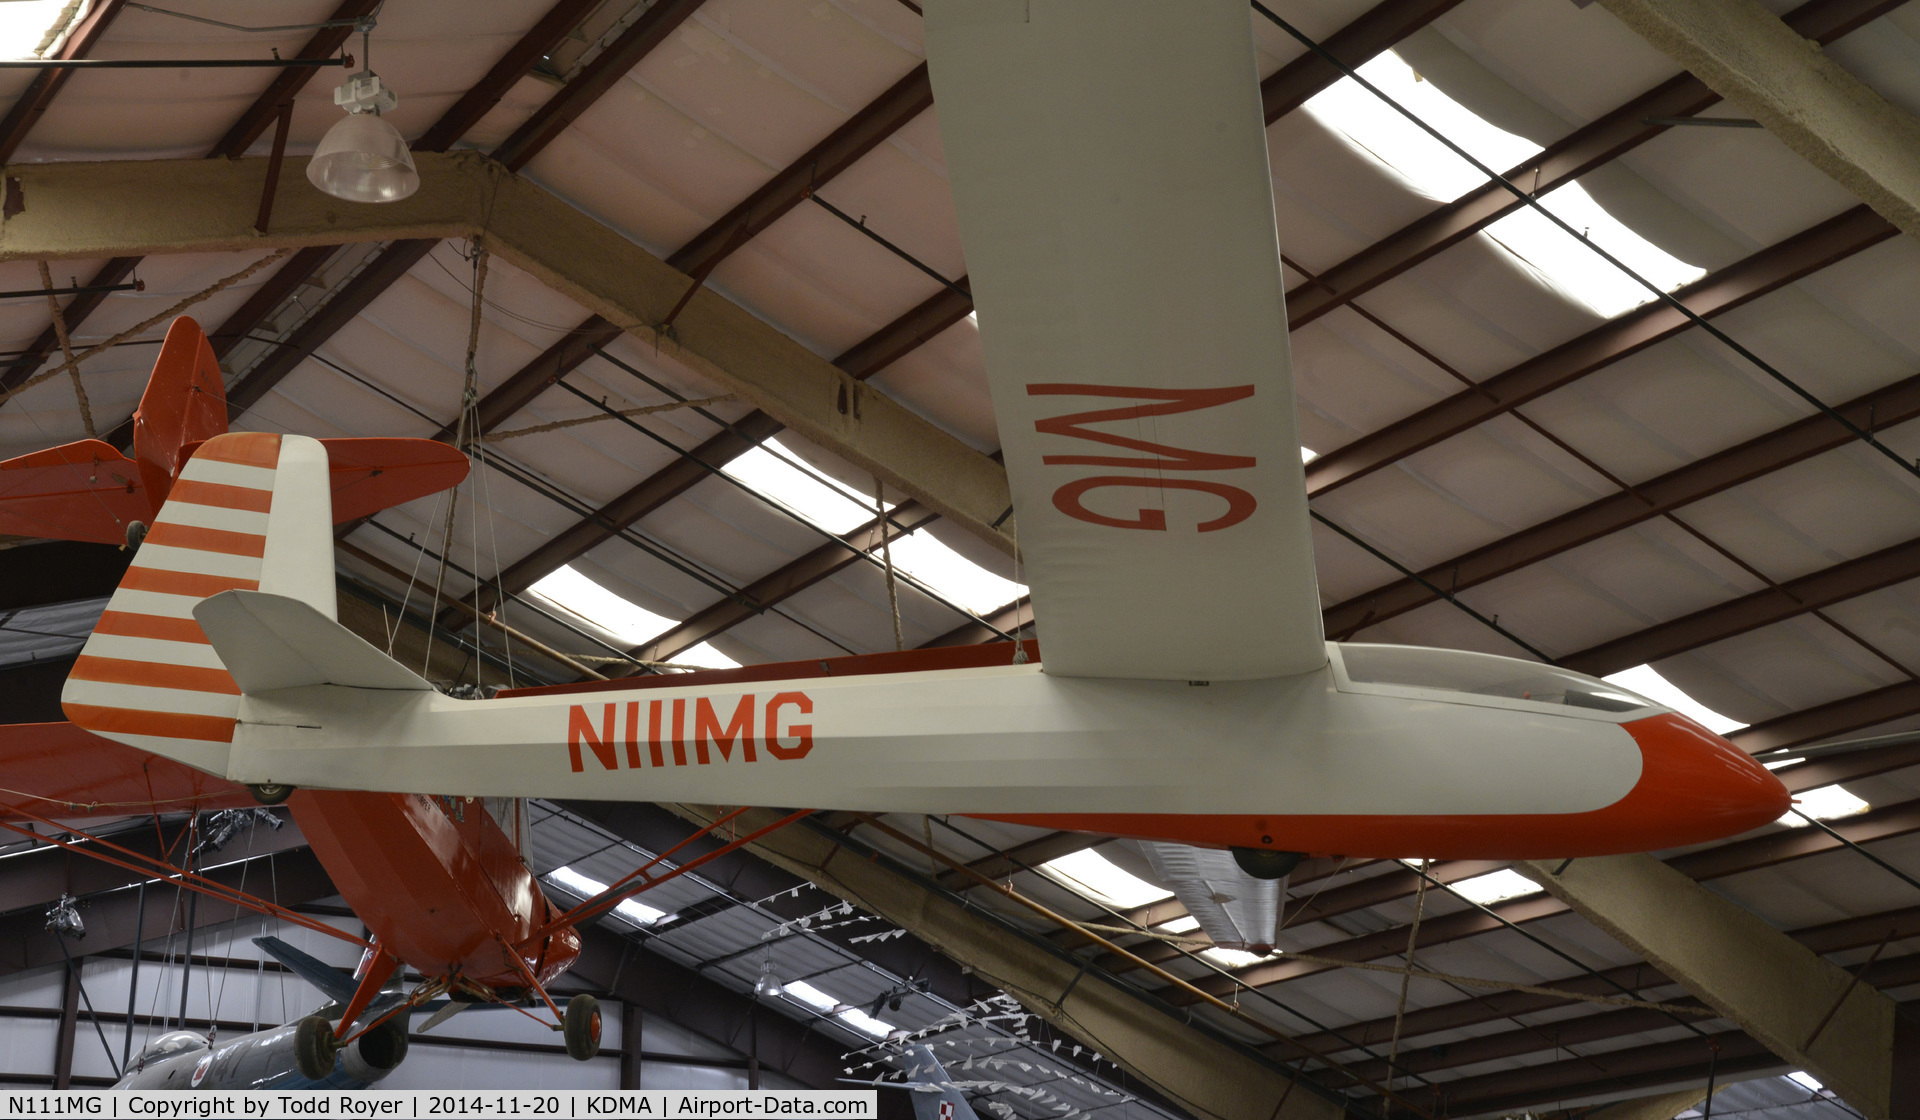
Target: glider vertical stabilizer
[250,511]
[935,1096]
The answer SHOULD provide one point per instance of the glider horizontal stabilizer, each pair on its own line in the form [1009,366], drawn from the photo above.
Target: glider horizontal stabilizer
[271,642]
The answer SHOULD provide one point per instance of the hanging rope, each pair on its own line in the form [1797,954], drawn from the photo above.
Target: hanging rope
[144,325]
[648,410]
[1406,978]
[66,347]
[1019,647]
[886,557]
[464,439]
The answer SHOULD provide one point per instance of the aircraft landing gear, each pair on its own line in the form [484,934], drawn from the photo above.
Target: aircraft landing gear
[271,793]
[1263,863]
[581,1027]
[315,1048]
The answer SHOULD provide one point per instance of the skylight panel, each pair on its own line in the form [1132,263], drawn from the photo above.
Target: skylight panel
[1495,887]
[827,1005]
[1823,804]
[1308,454]
[839,509]
[1429,168]
[30,27]
[924,558]
[1234,958]
[1644,680]
[574,883]
[622,621]
[1578,270]
[1186,923]
[1805,1080]
[811,996]
[832,506]
[1096,876]
[1425,163]
[866,1024]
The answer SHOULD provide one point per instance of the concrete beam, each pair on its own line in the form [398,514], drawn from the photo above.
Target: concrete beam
[1197,1071]
[95,210]
[1787,83]
[1660,1106]
[1801,1007]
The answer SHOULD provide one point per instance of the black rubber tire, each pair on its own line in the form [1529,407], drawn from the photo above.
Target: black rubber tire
[271,793]
[315,1049]
[1264,863]
[581,1027]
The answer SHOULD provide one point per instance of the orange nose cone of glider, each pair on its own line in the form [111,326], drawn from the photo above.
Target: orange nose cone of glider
[1705,787]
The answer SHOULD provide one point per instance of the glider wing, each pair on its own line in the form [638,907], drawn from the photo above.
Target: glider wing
[1109,169]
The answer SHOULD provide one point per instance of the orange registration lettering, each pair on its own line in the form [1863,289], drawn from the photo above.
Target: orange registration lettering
[1157,458]
[740,730]
[580,727]
[802,732]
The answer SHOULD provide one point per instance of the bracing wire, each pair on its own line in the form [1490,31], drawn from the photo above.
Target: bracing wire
[466,433]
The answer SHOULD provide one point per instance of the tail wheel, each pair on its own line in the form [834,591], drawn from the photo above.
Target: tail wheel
[315,1048]
[271,793]
[1264,863]
[581,1027]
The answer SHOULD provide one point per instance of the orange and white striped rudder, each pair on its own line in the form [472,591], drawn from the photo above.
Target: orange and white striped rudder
[251,510]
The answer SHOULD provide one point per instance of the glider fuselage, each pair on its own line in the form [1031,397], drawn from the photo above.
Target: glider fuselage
[1318,762]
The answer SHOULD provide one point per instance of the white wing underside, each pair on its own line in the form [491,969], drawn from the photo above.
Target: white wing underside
[1109,167]
[1234,909]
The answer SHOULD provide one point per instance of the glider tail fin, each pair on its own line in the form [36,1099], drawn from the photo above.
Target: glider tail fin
[941,1098]
[251,511]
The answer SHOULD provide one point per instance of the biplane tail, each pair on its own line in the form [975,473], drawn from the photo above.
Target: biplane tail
[239,562]
[185,404]
[89,491]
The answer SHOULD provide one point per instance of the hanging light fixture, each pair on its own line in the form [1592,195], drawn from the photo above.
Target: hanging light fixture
[363,158]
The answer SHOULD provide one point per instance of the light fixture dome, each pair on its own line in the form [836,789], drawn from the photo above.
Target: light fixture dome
[362,158]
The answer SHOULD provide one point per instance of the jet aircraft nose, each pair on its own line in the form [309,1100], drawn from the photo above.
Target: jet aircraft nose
[1698,785]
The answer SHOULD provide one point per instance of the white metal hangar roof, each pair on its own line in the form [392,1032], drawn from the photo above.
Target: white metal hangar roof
[1569,470]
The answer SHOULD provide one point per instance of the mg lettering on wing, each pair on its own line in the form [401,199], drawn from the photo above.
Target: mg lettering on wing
[722,730]
[1159,458]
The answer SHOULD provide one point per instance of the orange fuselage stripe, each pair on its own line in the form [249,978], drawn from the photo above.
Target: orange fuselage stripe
[127,624]
[153,674]
[225,541]
[222,495]
[166,725]
[197,584]
[249,449]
